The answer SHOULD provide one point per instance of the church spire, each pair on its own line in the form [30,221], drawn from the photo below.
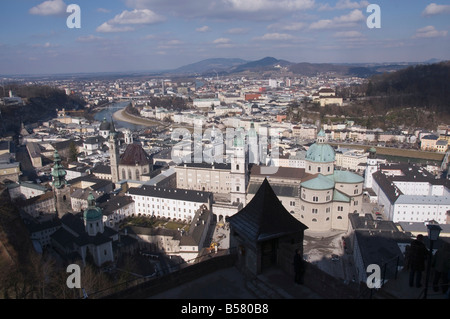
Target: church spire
[58,172]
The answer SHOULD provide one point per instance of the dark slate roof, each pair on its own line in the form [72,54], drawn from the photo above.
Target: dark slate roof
[379,248]
[224,166]
[171,193]
[282,172]
[198,224]
[75,223]
[114,202]
[280,190]
[135,154]
[264,217]
[101,169]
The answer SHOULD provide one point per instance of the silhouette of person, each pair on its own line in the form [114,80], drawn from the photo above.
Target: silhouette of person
[441,267]
[417,256]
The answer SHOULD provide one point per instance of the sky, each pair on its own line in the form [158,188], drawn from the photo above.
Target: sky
[153,35]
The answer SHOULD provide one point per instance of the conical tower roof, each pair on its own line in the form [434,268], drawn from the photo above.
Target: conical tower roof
[265,217]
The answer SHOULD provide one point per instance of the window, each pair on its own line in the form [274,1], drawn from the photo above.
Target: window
[292,203]
[314,211]
[340,209]
[315,198]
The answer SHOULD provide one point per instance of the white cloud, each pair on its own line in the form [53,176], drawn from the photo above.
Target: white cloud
[237,31]
[108,28]
[169,44]
[122,22]
[347,20]
[103,10]
[89,38]
[275,37]
[221,41]
[433,9]
[45,45]
[429,32]
[348,34]
[149,37]
[50,7]
[142,16]
[263,5]
[344,4]
[225,9]
[294,26]
[205,28]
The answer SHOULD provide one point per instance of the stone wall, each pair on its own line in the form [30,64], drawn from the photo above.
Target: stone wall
[175,279]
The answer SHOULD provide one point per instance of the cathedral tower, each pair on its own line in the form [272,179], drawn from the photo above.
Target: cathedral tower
[114,153]
[61,189]
[239,170]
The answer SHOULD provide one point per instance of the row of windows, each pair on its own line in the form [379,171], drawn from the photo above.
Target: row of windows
[327,219]
[319,169]
[327,210]
[418,213]
[144,211]
[164,207]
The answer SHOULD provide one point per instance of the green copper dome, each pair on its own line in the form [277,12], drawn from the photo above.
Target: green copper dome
[320,152]
[92,212]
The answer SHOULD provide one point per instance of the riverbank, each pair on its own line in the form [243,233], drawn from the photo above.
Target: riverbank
[122,115]
[391,151]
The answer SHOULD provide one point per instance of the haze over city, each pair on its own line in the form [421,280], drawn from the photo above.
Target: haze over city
[151,35]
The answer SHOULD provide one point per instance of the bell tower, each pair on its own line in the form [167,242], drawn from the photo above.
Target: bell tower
[61,188]
[114,153]
[372,167]
[239,170]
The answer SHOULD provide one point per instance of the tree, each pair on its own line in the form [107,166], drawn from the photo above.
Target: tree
[73,152]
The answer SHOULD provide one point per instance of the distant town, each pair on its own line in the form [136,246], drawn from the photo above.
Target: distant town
[154,175]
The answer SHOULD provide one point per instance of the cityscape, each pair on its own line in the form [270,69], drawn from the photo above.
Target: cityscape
[268,153]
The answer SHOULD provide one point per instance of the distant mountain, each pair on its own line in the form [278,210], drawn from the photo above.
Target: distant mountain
[263,64]
[228,66]
[209,65]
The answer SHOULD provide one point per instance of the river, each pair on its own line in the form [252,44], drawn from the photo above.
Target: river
[108,112]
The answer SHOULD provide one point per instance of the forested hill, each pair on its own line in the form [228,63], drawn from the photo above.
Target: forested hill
[41,103]
[424,86]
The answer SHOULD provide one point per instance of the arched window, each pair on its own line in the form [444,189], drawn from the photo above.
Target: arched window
[314,220]
[237,167]
[129,174]
[123,174]
[137,174]
[339,217]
